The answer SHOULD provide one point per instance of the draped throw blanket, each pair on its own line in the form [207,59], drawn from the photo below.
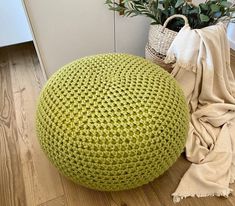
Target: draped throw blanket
[203,70]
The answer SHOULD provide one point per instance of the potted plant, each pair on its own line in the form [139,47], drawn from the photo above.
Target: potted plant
[205,14]
[164,12]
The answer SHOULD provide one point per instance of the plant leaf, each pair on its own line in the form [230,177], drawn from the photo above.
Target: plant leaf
[179,3]
[226,4]
[214,8]
[173,11]
[203,7]
[108,2]
[204,18]
[194,11]
[166,4]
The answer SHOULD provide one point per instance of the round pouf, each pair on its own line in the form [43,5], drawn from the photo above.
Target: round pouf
[112,122]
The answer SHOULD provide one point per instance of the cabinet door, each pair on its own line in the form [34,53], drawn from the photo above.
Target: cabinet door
[69,29]
[131,34]
[13,23]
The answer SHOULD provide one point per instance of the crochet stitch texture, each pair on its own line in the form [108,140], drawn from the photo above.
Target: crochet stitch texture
[112,121]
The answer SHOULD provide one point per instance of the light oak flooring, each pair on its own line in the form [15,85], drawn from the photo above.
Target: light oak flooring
[26,176]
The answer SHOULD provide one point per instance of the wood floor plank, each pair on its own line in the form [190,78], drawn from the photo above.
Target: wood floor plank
[134,197]
[41,179]
[12,191]
[60,201]
[78,195]
[151,195]
[231,198]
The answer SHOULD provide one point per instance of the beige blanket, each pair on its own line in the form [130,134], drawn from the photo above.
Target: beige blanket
[203,69]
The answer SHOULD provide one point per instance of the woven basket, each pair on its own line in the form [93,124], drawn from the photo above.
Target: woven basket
[159,41]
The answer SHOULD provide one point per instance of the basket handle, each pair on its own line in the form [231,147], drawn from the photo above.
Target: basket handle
[172,17]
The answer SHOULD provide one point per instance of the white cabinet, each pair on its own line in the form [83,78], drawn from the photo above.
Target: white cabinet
[13,23]
[69,29]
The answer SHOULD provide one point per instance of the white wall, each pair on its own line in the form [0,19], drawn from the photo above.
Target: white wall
[131,34]
[70,29]
[13,23]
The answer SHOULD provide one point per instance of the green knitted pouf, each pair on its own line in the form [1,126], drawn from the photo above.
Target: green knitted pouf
[112,122]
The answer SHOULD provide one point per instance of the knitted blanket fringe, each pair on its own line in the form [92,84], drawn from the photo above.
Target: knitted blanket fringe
[177,197]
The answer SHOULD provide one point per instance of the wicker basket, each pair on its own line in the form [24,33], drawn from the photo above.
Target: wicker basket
[159,41]
[157,58]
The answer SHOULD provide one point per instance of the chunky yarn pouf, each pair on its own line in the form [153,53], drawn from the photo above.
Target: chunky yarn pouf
[112,122]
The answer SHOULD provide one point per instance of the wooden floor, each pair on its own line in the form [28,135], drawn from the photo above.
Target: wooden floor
[26,176]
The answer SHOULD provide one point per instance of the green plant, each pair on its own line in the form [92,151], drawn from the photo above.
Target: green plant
[205,14]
